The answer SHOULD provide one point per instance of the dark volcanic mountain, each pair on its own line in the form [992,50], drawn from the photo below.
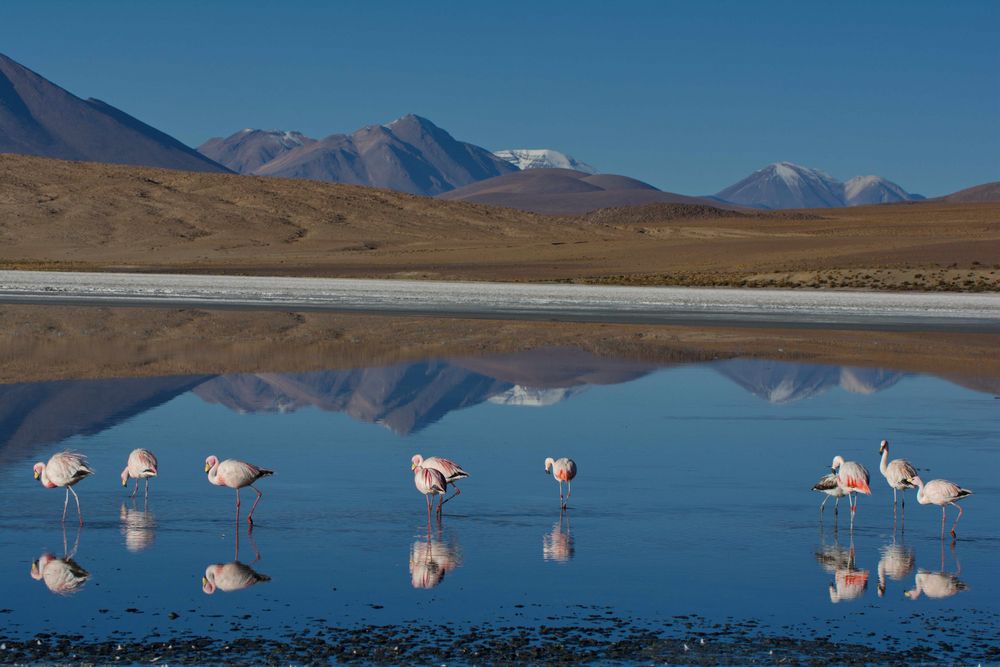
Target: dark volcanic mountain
[410,154]
[979,193]
[566,192]
[787,185]
[38,117]
[248,149]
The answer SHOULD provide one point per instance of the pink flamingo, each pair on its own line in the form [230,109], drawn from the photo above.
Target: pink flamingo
[236,475]
[64,469]
[452,472]
[141,465]
[429,482]
[853,477]
[941,492]
[897,473]
[563,470]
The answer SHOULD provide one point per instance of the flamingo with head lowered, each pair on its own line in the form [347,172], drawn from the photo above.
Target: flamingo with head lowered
[451,471]
[563,470]
[64,469]
[941,492]
[236,475]
[429,482]
[141,464]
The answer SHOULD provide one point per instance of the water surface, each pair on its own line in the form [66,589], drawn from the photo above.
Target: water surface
[692,500]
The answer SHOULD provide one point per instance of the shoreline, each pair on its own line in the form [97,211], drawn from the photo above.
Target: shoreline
[957,312]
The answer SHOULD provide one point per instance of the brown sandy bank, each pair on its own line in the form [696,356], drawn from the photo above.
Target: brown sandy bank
[66,215]
[48,343]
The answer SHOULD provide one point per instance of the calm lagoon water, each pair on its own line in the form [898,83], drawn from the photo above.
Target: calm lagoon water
[693,498]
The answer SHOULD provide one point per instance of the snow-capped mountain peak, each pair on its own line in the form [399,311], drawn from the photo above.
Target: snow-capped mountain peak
[542,158]
[789,185]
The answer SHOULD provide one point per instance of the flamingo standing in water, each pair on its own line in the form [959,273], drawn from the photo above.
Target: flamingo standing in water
[236,475]
[429,482]
[853,477]
[142,464]
[451,471]
[897,473]
[941,492]
[829,485]
[64,469]
[563,470]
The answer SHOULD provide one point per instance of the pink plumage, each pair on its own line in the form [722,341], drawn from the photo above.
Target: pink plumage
[236,475]
[450,471]
[64,469]
[142,464]
[429,482]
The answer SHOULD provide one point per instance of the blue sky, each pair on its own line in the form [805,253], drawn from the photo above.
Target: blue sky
[688,96]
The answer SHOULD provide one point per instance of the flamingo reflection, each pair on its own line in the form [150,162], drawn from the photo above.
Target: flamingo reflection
[234,576]
[940,584]
[138,527]
[557,545]
[896,562]
[849,582]
[63,576]
[431,559]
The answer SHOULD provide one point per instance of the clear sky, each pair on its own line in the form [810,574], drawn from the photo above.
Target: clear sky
[690,96]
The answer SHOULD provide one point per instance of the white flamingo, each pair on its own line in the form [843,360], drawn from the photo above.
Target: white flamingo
[429,482]
[941,492]
[141,464]
[829,486]
[236,475]
[897,473]
[64,470]
[563,470]
[62,576]
[229,577]
[451,471]
[853,477]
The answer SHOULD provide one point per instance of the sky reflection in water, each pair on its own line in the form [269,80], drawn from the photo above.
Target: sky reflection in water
[692,497]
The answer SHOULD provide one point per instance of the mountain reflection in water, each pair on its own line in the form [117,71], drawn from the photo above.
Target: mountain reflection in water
[405,398]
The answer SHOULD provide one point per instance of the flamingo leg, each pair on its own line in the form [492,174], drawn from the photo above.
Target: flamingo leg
[562,503]
[823,503]
[942,522]
[428,499]
[569,490]
[836,506]
[458,491]
[259,494]
[147,489]
[78,510]
[65,505]
[237,506]
[135,490]
[956,518]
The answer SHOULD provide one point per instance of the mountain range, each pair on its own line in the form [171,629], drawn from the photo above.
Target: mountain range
[788,185]
[37,117]
[410,154]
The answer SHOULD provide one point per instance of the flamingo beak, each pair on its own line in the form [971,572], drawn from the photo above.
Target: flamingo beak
[204,581]
[833,470]
[34,568]
[37,474]
[124,482]
[207,467]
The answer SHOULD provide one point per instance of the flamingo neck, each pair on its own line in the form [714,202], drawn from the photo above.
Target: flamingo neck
[213,474]
[885,461]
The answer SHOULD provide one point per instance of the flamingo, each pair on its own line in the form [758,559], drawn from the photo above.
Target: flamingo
[64,469]
[828,485]
[897,473]
[940,584]
[563,470]
[853,477]
[236,475]
[452,472]
[431,560]
[895,563]
[62,576]
[141,465]
[429,482]
[941,492]
[228,577]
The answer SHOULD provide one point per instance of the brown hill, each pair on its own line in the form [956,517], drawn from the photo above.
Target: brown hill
[565,192]
[38,117]
[56,214]
[987,192]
